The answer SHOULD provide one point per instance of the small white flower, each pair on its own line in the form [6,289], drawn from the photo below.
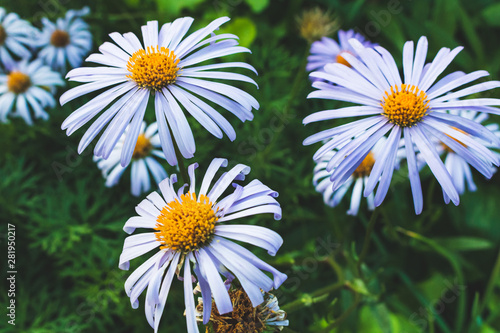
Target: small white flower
[67,40]
[27,85]
[143,161]
[16,36]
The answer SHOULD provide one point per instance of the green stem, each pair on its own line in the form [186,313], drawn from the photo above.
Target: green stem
[460,316]
[491,284]
[345,315]
[366,245]
[310,298]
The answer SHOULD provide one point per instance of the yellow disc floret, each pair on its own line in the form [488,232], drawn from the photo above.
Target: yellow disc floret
[364,169]
[341,60]
[153,68]
[18,82]
[448,149]
[59,38]
[187,224]
[406,105]
[142,148]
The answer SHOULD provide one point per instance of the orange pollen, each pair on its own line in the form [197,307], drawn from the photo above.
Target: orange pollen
[142,148]
[153,68]
[341,60]
[187,224]
[364,169]
[448,149]
[59,38]
[3,35]
[405,106]
[18,82]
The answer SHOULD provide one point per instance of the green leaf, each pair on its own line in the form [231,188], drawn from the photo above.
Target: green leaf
[492,14]
[257,6]
[465,243]
[174,7]
[244,28]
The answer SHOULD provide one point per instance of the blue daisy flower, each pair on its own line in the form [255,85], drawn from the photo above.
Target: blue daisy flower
[410,110]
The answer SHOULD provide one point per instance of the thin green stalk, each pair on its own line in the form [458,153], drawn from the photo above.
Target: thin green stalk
[460,316]
[346,314]
[366,244]
[495,273]
[299,303]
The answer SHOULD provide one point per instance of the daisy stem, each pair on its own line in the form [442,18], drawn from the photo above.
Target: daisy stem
[491,284]
[366,245]
[309,299]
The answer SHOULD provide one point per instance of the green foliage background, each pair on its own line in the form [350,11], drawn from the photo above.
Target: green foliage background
[69,229]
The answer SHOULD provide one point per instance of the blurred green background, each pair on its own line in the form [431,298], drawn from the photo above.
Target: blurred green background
[427,273]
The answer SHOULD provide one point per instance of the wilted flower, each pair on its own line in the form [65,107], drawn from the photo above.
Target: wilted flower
[316,23]
[245,318]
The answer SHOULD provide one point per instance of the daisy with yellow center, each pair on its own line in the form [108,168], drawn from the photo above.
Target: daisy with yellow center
[164,66]
[27,89]
[16,38]
[328,50]
[458,167]
[324,184]
[145,161]
[187,227]
[412,109]
[68,40]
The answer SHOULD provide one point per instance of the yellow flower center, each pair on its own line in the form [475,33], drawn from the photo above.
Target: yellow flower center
[186,225]
[59,38]
[142,148]
[448,149]
[364,169]
[341,60]
[405,106]
[153,68]
[3,35]
[18,82]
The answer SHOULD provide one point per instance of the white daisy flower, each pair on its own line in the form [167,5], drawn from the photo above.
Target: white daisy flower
[165,67]
[245,317]
[409,109]
[189,230]
[67,40]
[457,166]
[357,180]
[329,51]
[16,36]
[27,85]
[143,161]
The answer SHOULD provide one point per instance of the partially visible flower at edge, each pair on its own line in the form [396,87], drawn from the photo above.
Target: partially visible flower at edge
[16,38]
[27,86]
